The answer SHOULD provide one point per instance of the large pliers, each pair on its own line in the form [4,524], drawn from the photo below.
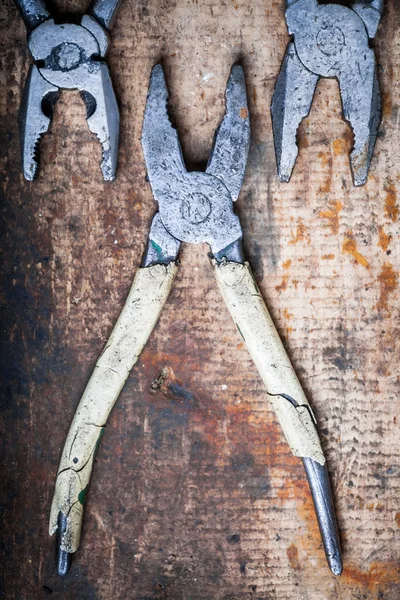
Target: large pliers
[194,207]
[329,40]
[68,56]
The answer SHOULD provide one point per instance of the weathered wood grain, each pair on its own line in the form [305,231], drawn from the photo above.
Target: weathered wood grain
[195,494]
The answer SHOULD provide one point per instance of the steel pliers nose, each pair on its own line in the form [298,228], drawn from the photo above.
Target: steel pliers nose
[68,56]
[329,40]
[194,207]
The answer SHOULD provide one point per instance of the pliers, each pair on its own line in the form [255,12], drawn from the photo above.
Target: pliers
[68,56]
[194,207]
[329,40]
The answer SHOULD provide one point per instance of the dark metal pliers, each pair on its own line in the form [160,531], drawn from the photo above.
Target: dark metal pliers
[329,40]
[68,56]
[194,207]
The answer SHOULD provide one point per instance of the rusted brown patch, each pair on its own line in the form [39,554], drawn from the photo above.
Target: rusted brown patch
[244,113]
[397,519]
[384,238]
[391,208]
[378,574]
[332,216]
[293,556]
[328,257]
[301,233]
[349,247]
[339,146]
[287,314]
[283,285]
[387,103]
[388,280]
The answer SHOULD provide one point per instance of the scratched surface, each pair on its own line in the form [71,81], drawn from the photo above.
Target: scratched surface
[194,494]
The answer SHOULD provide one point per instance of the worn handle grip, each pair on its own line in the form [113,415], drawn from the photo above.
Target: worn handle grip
[142,309]
[245,303]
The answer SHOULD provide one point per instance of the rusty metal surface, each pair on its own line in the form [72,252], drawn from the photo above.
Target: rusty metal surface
[195,494]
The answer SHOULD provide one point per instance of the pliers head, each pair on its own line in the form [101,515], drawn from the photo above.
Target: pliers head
[67,56]
[329,40]
[197,207]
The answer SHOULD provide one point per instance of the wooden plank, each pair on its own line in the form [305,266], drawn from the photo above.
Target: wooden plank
[195,494]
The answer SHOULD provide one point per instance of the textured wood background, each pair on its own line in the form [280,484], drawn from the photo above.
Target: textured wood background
[194,494]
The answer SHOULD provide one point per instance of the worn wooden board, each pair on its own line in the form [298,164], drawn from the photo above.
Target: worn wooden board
[195,494]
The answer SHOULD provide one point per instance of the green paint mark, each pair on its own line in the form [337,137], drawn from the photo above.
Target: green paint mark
[156,247]
[102,430]
[82,495]
[241,334]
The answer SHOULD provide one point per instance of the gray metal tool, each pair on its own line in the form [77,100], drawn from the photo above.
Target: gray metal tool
[68,56]
[194,207]
[329,40]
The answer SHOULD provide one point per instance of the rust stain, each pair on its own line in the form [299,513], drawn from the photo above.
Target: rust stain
[384,238]
[324,158]
[397,519]
[287,314]
[339,147]
[391,208]
[244,113]
[240,345]
[349,247]
[332,216]
[378,574]
[326,187]
[388,280]
[387,104]
[293,556]
[202,95]
[301,233]
[254,95]
[283,285]
[328,257]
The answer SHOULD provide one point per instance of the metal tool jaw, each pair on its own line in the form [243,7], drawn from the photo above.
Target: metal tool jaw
[68,56]
[195,207]
[329,40]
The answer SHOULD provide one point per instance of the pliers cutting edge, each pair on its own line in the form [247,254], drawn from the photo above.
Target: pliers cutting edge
[68,56]
[194,207]
[329,40]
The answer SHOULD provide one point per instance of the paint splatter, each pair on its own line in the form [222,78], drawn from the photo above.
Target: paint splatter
[332,216]
[349,247]
[301,234]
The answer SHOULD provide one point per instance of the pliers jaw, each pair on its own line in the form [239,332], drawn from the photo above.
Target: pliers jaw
[68,56]
[197,207]
[328,41]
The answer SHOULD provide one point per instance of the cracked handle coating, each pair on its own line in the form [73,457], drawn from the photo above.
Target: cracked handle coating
[142,309]
[248,310]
